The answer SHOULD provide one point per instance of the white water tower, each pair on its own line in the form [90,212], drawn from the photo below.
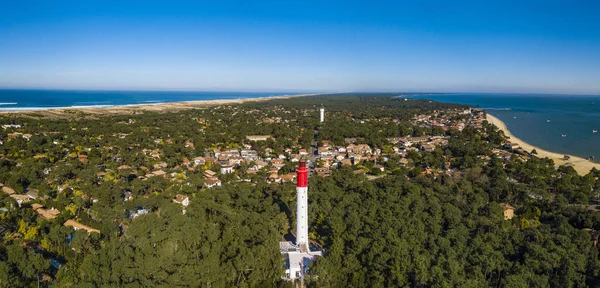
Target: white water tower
[322,113]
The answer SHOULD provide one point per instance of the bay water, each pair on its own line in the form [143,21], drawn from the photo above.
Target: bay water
[557,123]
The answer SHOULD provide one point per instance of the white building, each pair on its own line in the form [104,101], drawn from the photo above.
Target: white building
[182,199]
[322,113]
[226,169]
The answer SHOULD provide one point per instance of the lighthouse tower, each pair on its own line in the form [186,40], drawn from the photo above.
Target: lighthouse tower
[297,256]
[302,207]
[322,113]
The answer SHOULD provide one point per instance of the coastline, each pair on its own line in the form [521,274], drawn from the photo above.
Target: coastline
[581,165]
[152,107]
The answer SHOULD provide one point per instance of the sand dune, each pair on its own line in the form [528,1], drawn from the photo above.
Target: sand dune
[581,165]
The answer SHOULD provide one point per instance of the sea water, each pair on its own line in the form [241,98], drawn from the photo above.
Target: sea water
[557,123]
[11,100]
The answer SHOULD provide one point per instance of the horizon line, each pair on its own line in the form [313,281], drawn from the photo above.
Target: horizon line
[295,92]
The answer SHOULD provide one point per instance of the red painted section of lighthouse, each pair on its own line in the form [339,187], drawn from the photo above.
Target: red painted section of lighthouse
[302,175]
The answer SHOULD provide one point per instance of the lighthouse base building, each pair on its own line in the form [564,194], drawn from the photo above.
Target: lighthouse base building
[298,256]
[296,262]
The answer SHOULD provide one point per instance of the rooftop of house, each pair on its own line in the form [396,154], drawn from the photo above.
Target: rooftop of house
[210,173]
[8,190]
[212,181]
[48,213]
[77,225]
[180,198]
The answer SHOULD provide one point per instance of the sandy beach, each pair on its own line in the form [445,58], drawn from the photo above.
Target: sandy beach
[61,112]
[581,165]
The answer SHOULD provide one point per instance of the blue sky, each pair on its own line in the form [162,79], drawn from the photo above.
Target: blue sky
[471,46]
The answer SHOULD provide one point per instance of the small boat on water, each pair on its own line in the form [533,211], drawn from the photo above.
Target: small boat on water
[594,131]
[564,135]
[547,121]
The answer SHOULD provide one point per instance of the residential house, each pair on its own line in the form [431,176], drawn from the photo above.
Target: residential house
[8,190]
[199,161]
[83,158]
[139,211]
[249,154]
[160,165]
[404,142]
[323,171]
[157,173]
[258,137]
[359,149]
[76,225]
[212,182]
[274,178]
[182,199]
[428,147]
[32,194]
[226,169]
[290,177]
[512,146]
[259,164]
[324,152]
[127,196]
[229,153]
[209,174]
[509,211]
[21,199]
[237,160]
[47,214]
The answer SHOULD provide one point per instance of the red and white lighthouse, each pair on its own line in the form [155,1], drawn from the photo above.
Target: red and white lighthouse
[298,257]
[302,207]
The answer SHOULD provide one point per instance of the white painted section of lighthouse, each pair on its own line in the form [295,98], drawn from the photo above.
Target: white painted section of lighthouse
[302,218]
[322,113]
[297,257]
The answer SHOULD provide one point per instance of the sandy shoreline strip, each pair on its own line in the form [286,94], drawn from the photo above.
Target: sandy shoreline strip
[158,107]
[581,165]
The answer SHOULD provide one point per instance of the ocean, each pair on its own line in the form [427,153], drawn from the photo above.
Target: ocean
[16,100]
[557,123]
